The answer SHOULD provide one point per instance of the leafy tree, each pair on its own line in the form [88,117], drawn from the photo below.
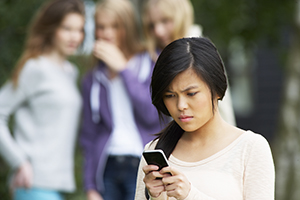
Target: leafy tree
[250,20]
[287,143]
[15,17]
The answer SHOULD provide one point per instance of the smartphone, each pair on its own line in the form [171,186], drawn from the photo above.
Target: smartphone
[156,157]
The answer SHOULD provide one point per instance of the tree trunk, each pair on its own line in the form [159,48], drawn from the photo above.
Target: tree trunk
[286,147]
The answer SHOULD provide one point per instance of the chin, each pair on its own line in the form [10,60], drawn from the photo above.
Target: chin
[70,52]
[188,128]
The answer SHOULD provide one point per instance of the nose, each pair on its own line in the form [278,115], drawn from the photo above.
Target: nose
[159,30]
[182,104]
[77,35]
[106,34]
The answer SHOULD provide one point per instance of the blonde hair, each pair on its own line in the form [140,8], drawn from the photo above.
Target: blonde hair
[42,30]
[179,11]
[125,17]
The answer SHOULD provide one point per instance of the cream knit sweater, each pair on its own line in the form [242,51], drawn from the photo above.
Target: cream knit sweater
[244,170]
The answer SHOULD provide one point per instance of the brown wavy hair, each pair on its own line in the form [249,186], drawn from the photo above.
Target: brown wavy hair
[42,30]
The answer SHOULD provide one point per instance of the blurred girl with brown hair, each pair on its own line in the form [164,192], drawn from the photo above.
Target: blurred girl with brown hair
[44,99]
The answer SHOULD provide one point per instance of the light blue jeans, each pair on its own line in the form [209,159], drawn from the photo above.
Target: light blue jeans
[36,194]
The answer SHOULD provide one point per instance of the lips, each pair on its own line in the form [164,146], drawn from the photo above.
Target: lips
[185,118]
[73,46]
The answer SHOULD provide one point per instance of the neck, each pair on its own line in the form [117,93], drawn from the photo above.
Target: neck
[112,74]
[210,131]
[56,57]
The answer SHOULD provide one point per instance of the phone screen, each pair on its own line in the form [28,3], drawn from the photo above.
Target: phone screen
[156,157]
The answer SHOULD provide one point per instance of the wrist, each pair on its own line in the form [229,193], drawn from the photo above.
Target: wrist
[159,197]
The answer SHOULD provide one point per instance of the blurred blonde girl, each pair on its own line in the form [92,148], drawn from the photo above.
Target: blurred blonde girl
[167,20]
[118,116]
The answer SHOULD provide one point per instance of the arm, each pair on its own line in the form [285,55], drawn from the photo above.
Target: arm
[87,136]
[259,179]
[140,186]
[177,185]
[23,176]
[11,99]
[93,195]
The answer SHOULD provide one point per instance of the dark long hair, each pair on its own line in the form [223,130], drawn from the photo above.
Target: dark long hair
[202,56]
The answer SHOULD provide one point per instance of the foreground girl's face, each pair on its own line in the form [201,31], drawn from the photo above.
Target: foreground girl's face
[69,34]
[188,100]
[107,27]
[161,26]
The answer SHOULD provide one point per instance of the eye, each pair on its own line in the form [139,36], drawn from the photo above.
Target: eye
[192,94]
[66,28]
[100,27]
[165,20]
[115,26]
[151,26]
[169,95]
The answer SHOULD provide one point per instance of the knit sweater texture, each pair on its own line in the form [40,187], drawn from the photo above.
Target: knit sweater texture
[46,106]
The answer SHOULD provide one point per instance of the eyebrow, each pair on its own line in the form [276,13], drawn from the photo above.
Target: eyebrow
[186,89]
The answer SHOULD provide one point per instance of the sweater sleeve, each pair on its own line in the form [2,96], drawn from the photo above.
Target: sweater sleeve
[11,98]
[140,185]
[87,137]
[259,177]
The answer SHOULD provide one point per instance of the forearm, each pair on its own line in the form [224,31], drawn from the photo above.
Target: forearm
[10,99]
[10,151]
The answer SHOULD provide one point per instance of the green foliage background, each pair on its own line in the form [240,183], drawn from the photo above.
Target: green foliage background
[222,20]
[15,15]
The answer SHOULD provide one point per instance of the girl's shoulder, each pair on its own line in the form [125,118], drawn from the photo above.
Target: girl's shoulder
[253,142]
[151,145]
[252,137]
[33,67]
[72,69]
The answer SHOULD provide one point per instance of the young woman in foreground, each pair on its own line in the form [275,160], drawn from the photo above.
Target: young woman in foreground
[43,97]
[209,158]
